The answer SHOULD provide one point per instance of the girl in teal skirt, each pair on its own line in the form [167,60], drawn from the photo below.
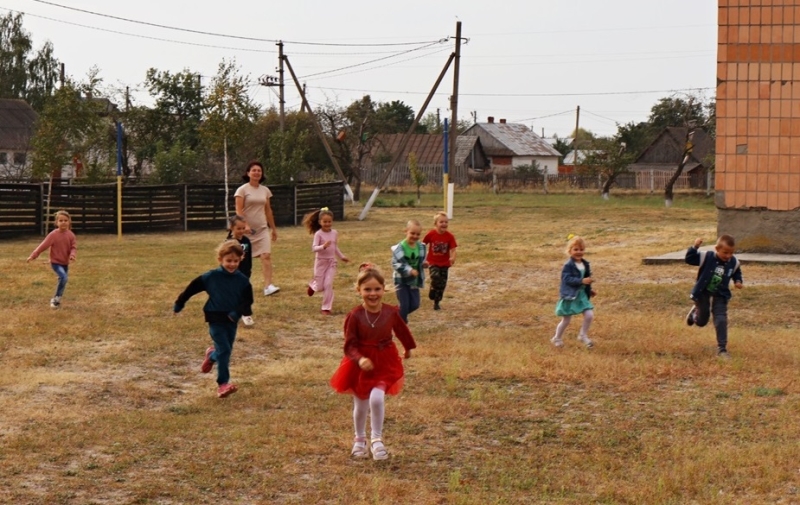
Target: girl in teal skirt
[574,293]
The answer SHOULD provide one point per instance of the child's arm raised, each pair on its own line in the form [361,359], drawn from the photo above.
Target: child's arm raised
[194,287]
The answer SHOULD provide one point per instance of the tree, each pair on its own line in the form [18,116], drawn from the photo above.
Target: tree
[29,77]
[174,163]
[286,152]
[636,136]
[674,111]
[417,175]
[608,158]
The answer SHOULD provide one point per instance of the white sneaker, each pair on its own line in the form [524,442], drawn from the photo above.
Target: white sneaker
[557,342]
[586,341]
[248,321]
[271,290]
[55,302]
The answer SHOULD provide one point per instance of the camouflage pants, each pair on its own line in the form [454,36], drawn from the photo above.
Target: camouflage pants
[438,282]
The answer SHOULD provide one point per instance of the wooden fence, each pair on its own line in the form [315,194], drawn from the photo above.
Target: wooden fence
[23,207]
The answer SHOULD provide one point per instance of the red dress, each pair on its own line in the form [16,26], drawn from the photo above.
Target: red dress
[368,335]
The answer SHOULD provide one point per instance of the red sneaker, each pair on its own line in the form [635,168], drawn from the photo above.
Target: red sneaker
[207,363]
[226,390]
[310,291]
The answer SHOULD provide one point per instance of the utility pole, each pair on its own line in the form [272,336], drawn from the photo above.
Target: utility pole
[280,84]
[303,106]
[454,100]
[575,140]
[62,75]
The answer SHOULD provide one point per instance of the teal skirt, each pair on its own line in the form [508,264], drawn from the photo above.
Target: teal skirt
[574,307]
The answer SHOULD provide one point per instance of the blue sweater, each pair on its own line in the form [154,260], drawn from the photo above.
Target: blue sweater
[707,262]
[229,295]
[572,280]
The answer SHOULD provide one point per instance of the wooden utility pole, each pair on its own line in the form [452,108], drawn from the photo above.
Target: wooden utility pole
[280,85]
[454,101]
[575,140]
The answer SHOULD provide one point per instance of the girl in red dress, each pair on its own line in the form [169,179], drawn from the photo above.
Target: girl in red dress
[371,366]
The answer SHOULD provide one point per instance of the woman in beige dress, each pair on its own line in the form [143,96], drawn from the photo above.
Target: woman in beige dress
[252,202]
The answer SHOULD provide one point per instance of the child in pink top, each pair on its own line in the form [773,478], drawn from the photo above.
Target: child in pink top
[63,250]
[325,247]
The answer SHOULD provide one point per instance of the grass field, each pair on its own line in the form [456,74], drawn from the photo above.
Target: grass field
[102,401]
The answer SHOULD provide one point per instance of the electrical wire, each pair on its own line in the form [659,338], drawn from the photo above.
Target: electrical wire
[376,60]
[524,95]
[542,117]
[601,117]
[224,35]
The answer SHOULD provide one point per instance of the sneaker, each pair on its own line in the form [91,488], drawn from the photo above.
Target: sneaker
[690,316]
[325,312]
[436,306]
[586,341]
[723,354]
[271,290]
[55,302]
[557,342]
[248,321]
[208,364]
[226,390]
[310,291]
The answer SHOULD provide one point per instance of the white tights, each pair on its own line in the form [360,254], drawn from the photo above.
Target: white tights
[588,316]
[374,405]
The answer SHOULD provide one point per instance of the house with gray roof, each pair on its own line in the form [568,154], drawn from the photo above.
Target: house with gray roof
[17,122]
[666,151]
[513,145]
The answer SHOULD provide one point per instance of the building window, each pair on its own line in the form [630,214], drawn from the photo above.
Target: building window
[19,158]
[3,158]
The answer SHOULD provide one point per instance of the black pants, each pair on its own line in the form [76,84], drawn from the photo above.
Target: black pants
[438,282]
[708,304]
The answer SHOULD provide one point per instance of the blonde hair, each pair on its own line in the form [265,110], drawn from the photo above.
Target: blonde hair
[576,240]
[367,271]
[229,247]
[65,214]
[413,222]
[438,215]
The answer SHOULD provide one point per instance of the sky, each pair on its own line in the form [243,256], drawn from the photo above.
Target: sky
[528,62]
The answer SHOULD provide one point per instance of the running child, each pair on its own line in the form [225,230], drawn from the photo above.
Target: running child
[408,263]
[711,292]
[575,292]
[237,227]
[229,296]
[371,367]
[325,247]
[63,251]
[441,256]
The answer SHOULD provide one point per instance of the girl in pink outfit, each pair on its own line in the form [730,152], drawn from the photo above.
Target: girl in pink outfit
[63,250]
[325,247]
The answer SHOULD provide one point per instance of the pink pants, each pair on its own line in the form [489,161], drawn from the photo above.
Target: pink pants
[324,273]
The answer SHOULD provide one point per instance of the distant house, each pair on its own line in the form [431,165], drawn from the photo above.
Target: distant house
[17,122]
[575,160]
[665,153]
[514,145]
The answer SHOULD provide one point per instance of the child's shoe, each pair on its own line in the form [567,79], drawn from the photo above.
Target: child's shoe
[379,451]
[436,306]
[586,341]
[690,316]
[55,302]
[556,341]
[271,290]
[207,363]
[723,354]
[359,448]
[248,320]
[310,291]
[325,312]
[226,390]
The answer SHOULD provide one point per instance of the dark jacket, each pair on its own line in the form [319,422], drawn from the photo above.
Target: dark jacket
[229,295]
[707,262]
[572,280]
[246,265]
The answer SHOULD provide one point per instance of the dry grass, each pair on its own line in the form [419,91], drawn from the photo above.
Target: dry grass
[102,402]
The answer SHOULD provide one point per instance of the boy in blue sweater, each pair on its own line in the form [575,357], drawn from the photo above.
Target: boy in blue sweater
[711,292]
[229,296]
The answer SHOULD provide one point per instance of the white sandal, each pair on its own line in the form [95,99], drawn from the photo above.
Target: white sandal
[359,448]
[379,451]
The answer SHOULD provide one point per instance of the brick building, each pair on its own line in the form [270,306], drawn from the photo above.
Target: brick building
[758,124]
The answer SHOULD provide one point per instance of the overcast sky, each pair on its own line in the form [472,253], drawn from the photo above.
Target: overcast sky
[530,62]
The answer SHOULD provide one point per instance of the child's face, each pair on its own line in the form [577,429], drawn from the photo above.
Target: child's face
[412,234]
[441,224]
[238,230]
[371,292]
[326,222]
[576,252]
[62,222]
[230,262]
[724,252]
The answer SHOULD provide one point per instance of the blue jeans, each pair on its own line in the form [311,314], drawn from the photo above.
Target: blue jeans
[408,297]
[223,335]
[718,306]
[61,272]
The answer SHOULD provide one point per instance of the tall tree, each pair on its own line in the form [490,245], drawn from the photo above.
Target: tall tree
[608,158]
[675,111]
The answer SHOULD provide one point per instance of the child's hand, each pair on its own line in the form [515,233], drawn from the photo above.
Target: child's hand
[326,244]
[71,259]
[345,259]
[30,258]
[592,293]
[407,354]
[587,281]
[365,364]
[414,272]
[697,242]
[738,285]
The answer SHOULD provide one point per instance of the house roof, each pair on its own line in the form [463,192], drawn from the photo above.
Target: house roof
[667,149]
[17,120]
[429,148]
[569,159]
[515,140]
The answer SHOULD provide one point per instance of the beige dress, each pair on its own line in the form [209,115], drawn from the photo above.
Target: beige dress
[255,201]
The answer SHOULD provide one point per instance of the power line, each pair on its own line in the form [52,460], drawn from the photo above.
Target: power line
[524,95]
[549,115]
[213,34]
[377,60]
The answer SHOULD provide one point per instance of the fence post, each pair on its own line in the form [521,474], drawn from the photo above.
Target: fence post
[40,217]
[185,206]
[294,204]
[652,182]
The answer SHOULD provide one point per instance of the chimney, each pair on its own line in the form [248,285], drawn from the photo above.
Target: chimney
[491,119]
[503,121]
